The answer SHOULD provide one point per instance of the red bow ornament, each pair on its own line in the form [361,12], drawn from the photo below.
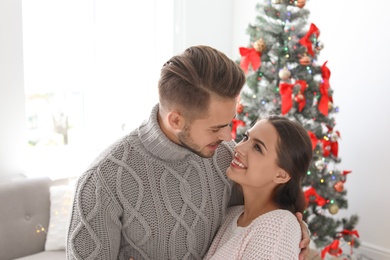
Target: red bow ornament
[345,175]
[313,138]
[249,56]
[311,195]
[351,233]
[323,105]
[285,90]
[329,148]
[305,40]
[236,123]
[330,145]
[332,249]
[347,232]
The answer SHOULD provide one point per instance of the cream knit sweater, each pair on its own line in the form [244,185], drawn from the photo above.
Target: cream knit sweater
[148,198]
[271,236]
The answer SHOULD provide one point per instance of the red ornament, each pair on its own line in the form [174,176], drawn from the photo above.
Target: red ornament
[305,60]
[339,186]
[239,108]
[300,3]
[300,98]
[332,249]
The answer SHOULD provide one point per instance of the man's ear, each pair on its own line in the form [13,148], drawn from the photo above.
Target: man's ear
[282,177]
[176,120]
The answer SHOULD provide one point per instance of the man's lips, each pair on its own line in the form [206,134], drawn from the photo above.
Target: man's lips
[214,146]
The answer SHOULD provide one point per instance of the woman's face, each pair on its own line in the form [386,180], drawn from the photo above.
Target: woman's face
[254,163]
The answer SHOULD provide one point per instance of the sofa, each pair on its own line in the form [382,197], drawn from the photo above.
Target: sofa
[26,212]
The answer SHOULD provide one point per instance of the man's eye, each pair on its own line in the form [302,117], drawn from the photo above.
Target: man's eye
[215,130]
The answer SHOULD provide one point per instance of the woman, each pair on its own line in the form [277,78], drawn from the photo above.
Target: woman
[269,165]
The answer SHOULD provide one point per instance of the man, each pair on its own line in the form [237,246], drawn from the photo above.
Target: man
[161,191]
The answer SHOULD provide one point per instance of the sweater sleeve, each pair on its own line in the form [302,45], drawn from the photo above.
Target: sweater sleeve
[94,229]
[276,236]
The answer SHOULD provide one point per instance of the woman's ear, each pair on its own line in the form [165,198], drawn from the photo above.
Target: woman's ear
[176,120]
[282,177]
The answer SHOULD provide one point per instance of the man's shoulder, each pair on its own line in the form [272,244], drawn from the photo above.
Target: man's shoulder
[226,148]
[229,145]
[118,149]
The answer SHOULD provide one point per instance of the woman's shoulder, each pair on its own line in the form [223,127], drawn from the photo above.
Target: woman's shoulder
[279,218]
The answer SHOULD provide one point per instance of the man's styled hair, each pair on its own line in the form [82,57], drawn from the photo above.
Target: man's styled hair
[294,151]
[189,80]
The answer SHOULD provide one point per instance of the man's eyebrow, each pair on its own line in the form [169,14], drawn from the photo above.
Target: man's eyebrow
[219,126]
[222,126]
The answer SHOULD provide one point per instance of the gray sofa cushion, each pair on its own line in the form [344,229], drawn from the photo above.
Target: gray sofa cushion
[48,255]
[24,206]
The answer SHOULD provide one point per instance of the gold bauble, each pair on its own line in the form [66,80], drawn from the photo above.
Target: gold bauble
[259,45]
[330,106]
[333,209]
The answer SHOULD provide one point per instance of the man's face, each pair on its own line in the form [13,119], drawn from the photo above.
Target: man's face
[202,136]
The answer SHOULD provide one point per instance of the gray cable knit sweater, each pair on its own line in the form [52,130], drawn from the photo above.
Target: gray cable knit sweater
[148,198]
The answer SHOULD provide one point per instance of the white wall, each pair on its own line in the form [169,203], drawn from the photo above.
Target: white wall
[354,34]
[204,22]
[12,117]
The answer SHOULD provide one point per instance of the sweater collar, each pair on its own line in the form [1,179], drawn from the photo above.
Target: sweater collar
[157,143]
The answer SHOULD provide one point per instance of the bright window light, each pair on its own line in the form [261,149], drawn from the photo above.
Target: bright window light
[91,69]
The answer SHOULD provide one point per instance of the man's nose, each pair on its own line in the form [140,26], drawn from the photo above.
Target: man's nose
[225,134]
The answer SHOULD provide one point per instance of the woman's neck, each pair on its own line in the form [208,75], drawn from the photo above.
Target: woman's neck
[255,205]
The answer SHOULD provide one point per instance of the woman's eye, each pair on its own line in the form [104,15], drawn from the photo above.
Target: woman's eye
[258,148]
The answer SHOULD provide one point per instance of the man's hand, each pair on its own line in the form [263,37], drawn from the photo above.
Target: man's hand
[304,244]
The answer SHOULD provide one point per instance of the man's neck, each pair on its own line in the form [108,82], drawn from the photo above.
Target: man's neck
[165,128]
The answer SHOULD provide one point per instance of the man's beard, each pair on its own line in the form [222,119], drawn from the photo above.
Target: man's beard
[186,141]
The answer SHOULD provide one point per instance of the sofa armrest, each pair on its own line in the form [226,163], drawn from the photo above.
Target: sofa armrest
[24,211]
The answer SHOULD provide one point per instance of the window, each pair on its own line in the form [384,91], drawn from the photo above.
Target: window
[91,70]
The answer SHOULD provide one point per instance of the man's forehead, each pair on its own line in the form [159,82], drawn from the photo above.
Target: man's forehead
[220,113]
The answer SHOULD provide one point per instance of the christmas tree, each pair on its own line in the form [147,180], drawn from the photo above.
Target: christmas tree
[284,77]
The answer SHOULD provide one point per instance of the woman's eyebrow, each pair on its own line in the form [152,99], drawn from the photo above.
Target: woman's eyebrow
[258,141]
[261,142]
